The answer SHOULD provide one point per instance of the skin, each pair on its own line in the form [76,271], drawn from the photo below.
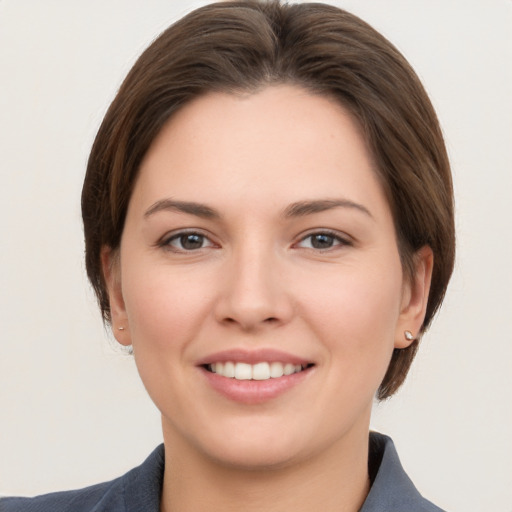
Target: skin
[257,279]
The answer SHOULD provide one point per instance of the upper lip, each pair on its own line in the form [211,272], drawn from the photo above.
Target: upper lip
[238,355]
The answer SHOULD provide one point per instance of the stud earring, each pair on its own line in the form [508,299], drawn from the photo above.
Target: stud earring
[408,336]
[120,328]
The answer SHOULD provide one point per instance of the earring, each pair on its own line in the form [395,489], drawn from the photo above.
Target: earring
[408,336]
[120,328]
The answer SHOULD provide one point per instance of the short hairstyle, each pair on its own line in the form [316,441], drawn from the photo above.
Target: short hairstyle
[243,46]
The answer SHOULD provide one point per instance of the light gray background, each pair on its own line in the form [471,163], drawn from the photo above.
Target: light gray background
[72,410]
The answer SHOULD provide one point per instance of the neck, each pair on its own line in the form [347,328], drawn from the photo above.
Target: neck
[336,480]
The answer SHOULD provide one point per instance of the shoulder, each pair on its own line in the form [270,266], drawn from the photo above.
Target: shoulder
[139,489]
[79,500]
[391,488]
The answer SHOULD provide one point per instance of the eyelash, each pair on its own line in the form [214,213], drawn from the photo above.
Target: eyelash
[335,238]
[180,236]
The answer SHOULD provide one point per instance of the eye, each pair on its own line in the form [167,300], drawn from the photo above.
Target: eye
[189,241]
[322,241]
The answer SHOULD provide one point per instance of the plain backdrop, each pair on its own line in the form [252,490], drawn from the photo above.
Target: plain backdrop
[72,409]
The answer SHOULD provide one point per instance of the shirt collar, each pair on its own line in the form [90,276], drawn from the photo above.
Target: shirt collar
[391,487]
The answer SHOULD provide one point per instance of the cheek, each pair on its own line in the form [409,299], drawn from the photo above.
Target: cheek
[355,312]
[164,306]
[166,311]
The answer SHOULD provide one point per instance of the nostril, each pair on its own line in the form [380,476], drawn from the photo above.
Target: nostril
[249,319]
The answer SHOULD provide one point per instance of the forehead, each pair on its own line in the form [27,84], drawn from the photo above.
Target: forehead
[280,142]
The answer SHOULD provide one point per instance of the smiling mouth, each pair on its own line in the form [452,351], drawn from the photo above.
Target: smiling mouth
[258,371]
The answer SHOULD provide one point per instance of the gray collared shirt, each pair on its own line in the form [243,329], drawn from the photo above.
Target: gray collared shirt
[139,489]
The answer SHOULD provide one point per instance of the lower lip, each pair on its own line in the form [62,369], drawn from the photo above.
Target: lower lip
[254,391]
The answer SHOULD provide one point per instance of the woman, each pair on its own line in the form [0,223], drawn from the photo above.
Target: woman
[268,218]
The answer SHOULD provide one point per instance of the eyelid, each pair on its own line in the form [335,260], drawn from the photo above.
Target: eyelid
[165,241]
[342,238]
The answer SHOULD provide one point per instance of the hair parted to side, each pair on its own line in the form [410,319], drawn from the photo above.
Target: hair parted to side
[242,46]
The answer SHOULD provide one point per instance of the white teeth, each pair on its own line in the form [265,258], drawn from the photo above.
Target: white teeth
[289,368]
[276,370]
[229,369]
[243,371]
[259,371]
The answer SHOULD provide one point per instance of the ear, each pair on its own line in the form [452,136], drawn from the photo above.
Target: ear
[415,298]
[111,267]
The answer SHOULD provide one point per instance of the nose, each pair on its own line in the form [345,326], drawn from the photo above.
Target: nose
[254,292]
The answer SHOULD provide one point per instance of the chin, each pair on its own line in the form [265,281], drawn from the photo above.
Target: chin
[255,457]
[248,445]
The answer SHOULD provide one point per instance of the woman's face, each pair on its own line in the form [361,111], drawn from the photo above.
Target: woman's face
[259,243]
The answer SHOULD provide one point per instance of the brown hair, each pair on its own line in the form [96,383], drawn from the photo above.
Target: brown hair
[245,45]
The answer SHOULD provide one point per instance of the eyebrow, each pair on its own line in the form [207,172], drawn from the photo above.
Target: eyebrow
[302,208]
[192,208]
[298,209]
